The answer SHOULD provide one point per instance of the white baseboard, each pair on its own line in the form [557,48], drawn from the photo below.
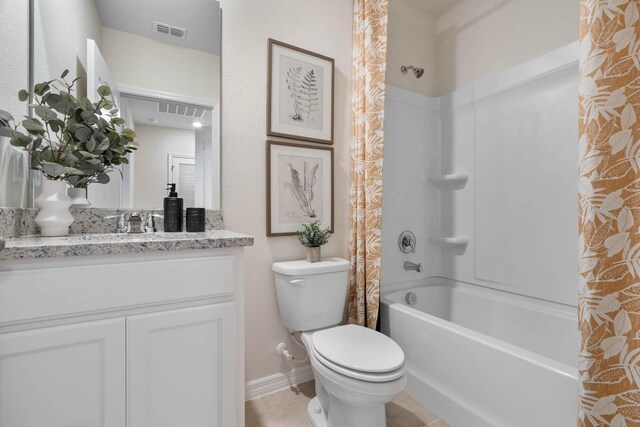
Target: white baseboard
[273,383]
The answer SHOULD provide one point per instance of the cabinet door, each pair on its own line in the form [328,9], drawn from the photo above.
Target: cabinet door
[182,367]
[64,376]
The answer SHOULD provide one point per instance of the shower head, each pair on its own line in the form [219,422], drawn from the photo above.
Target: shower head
[418,72]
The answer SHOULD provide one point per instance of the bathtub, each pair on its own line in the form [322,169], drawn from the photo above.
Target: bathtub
[480,357]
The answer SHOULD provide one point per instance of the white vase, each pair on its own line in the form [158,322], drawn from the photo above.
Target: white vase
[79,197]
[54,217]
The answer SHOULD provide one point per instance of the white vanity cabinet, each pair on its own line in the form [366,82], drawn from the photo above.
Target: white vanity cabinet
[69,375]
[180,367]
[144,340]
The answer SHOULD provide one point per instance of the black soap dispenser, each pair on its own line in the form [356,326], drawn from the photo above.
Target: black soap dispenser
[172,210]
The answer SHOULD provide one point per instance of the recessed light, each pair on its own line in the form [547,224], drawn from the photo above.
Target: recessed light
[197,124]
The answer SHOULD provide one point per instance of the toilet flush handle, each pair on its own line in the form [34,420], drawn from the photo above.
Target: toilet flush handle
[298,282]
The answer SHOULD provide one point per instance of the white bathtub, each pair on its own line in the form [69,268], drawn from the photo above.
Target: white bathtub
[480,357]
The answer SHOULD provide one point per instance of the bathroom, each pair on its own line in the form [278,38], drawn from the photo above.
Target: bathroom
[483,268]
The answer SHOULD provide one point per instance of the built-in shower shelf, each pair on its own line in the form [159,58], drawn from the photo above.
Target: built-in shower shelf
[449,241]
[454,181]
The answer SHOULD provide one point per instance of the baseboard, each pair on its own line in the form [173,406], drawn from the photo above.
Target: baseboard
[273,383]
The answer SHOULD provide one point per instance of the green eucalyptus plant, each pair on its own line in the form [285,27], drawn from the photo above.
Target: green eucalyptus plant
[71,139]
[312,236]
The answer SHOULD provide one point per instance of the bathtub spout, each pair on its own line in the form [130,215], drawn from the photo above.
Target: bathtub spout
[413,266]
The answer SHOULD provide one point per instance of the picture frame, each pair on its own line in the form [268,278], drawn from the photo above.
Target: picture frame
[300,187]
[300,94]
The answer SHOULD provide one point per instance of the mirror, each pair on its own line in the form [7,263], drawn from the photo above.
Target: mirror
[162,61]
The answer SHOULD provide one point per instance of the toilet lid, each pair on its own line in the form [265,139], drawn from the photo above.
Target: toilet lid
[359,348]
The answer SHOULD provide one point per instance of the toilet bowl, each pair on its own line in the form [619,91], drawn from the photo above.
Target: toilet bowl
[357,370]
[348,395]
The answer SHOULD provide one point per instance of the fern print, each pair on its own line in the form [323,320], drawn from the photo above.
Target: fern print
[300,94]
[309,94]
[294,85]
[301,186]
[303,90]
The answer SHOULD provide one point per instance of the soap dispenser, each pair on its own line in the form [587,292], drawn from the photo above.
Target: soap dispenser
[172,210]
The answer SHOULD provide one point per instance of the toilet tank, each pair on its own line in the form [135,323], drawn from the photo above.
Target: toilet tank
[311,295]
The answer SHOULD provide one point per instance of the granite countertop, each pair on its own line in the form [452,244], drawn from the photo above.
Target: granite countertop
[30,247]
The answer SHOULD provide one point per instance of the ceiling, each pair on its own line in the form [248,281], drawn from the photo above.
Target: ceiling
[145,112]
[201,19]
[435,7]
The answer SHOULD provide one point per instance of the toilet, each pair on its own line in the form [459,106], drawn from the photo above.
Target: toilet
[357,370]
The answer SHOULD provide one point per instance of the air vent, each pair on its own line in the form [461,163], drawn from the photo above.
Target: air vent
[162,28]
[169,30]
[177,32]
[184,110]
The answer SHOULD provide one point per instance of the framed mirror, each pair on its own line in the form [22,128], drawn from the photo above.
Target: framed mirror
[161,59]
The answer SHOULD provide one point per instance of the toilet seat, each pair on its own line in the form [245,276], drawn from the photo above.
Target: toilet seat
[358,352]
[360,375]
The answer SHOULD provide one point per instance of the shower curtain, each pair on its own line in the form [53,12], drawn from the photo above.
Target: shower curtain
[368,80]
[609,213]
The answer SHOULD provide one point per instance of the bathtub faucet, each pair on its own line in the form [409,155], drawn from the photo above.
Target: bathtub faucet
[413,266]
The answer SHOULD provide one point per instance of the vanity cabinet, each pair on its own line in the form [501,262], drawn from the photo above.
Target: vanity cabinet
[70,375]
[113,341]
[179,367]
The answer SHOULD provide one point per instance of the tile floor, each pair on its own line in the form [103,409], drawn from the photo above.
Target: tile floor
[288,408]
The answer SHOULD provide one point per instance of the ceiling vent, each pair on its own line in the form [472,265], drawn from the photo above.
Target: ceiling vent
[169,30]
[184,110]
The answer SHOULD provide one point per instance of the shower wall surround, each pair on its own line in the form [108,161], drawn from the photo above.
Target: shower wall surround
[513,133]
[411,137]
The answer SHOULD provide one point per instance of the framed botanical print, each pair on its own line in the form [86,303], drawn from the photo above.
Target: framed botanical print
[299,187]
[299,94]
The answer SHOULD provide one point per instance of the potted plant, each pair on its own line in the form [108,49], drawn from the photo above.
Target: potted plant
[313,237]
[71,141]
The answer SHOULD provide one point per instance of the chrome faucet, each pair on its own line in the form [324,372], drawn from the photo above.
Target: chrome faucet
[150,223]
[121,225]
[134,224]
[408,265]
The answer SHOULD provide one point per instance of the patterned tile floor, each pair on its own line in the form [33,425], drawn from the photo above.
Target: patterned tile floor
[288,408]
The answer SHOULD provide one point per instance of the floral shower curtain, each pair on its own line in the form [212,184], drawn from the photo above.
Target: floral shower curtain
[609,212]
[368,80]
